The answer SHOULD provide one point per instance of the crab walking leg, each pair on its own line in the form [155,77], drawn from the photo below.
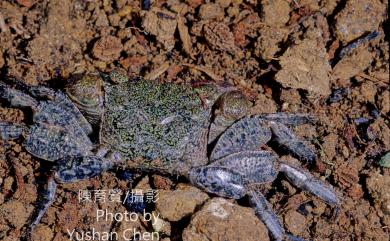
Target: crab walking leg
[17,98]
[288,118]
[264,211]
[44,202]
[35,91]
[286,139]
[231,177]
[228,176]
[307,182]
[10,131]
[255,166]
[219,180]
[73,169]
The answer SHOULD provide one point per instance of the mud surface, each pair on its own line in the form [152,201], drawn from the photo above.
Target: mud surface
[329,58]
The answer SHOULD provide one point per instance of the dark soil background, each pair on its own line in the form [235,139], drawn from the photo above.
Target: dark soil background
[329,58]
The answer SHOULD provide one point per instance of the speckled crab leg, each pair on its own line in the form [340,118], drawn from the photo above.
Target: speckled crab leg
[17,98]
[286,139]
[232,177]
[264,211]
[307,182]
[288,118]
[250,133]
[229,176]
[35,91]
[69,169]
[10,131]
[46,199]
[73,169]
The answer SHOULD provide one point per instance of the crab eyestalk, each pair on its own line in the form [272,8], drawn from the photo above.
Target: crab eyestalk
[87,94]
[230,107]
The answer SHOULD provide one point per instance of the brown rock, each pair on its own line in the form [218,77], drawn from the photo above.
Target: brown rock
[350,65]
[355,191]
[160,225]
[107,48]
[210,11]
[368,91]
[26,3]
[161,182]
[42,233]
[101,19]
[346,175]
[174,205]
[357,18]
[384,102]
[134,60]
[379,189]
[15,213]
[295,222]
[329,146]
[162,24]
[224,3]
[247,27]
[275,13]
[223,220]
[267,44]
[290,96]
[305,66]
[219,36]
[264,105]
[58,44]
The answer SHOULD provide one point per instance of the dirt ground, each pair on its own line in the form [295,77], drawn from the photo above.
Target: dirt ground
[329,58]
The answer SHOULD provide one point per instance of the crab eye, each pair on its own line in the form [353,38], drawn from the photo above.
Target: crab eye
[87,94]
[233,104]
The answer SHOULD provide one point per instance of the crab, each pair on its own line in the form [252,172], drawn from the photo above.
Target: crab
[204,133]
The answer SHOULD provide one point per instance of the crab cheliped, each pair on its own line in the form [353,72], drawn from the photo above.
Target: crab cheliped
[205,134]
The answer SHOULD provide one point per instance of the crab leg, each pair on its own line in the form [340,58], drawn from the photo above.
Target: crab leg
[264,211]
[288,118]
[232,177]
[219,180]
[10,131]
[44,202]
[256,166]
[228,176]
[286,139]
[73,169]
[35,91]
[17,98]
[307,182]
[70,169]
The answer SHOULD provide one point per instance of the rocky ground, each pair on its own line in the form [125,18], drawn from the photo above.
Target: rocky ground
[329,58]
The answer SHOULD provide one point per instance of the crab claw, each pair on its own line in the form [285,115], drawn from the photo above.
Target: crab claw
[219,180]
